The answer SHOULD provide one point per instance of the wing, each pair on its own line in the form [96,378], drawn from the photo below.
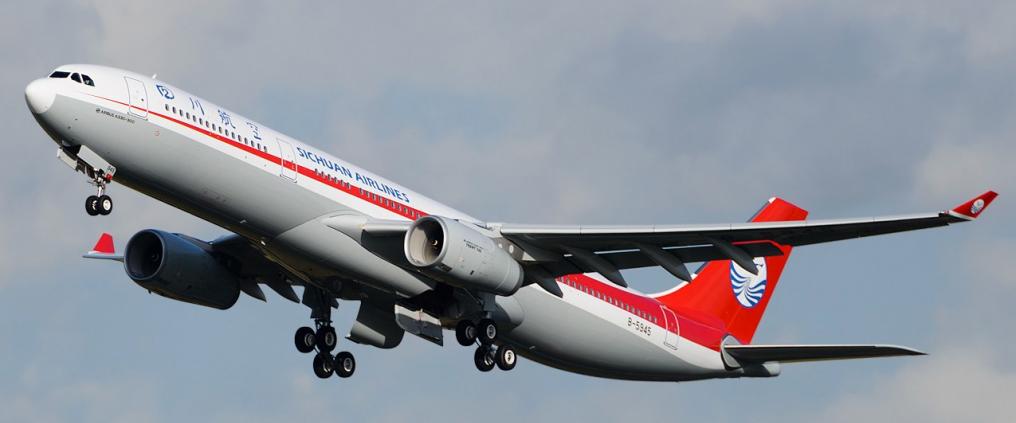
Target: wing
[607,249]
[801,353]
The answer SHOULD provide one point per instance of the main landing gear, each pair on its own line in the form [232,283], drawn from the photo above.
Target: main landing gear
[487,355]
[324,341]
[100,203]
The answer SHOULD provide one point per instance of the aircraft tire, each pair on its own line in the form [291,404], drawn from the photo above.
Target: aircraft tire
[506,358]
[486,331]
[465,333]
[483,359]
[104,205]
[305,340]
[323,365]
[91,205]
[326,338]
[345,364]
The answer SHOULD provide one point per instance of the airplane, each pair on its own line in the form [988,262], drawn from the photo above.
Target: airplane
[298,216]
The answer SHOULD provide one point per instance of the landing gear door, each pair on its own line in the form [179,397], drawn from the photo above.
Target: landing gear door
[137,96]
[287,160]
[672,334]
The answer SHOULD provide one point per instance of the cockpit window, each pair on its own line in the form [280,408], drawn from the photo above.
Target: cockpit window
[77,77]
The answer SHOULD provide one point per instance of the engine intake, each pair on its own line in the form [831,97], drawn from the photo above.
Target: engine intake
[461,256]
[177,267]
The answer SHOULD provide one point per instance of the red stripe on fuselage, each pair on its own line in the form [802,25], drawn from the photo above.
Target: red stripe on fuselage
[702,333]
[694,330]
[338,184]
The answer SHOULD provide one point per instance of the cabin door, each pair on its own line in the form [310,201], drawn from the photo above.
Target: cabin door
[672,334]
[137,97]
[287,160]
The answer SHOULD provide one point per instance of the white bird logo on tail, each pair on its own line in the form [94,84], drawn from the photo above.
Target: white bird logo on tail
[748,288]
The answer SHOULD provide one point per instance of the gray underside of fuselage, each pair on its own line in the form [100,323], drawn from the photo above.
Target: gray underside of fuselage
[570,338]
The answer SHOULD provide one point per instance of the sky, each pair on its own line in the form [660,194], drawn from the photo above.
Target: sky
[537,112]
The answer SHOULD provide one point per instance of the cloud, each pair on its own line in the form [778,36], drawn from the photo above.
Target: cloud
[97,400]
[963,384]
[565,112]
[966,167]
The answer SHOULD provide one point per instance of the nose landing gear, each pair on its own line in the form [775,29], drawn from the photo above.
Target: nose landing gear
[100,203]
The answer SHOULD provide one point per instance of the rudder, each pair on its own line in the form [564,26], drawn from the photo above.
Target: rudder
[735,296]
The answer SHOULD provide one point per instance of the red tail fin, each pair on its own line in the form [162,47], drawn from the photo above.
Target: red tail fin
[726,291]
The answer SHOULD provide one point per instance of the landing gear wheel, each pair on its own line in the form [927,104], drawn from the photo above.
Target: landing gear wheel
[104,205]
[486,331]
[505,357]
[483,358]
[345,364]
[323,365]
[92,205]
[326,338]
[305,339]
[465,333]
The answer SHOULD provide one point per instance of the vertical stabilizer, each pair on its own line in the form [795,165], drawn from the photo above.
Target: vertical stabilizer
[735,295]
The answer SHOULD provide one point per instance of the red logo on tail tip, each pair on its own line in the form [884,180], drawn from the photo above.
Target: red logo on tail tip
[104,245]
[974,207]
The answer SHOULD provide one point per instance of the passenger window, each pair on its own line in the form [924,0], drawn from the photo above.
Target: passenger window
[76,78]
[59,74]
[88,81]
[167,107]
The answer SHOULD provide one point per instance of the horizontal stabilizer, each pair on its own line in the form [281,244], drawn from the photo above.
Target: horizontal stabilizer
[799,353]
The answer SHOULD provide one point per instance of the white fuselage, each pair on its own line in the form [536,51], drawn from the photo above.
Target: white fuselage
[274,190]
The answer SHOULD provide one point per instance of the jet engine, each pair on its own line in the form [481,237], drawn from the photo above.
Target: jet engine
[179,267]
[462,256]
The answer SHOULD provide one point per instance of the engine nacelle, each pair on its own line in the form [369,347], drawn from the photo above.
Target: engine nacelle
[178,268]
[461,256]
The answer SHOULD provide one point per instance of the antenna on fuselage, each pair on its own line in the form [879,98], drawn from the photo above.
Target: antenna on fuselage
[154,75]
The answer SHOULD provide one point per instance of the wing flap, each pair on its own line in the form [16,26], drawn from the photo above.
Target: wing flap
[802,353]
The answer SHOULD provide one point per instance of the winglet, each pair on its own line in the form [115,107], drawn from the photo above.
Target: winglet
[973,208]
[104,245]
[103,249]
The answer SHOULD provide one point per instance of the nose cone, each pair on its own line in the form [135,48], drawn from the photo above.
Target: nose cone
[39,95]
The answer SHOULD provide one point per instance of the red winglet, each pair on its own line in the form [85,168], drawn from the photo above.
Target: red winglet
[104,245]
[973,208]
